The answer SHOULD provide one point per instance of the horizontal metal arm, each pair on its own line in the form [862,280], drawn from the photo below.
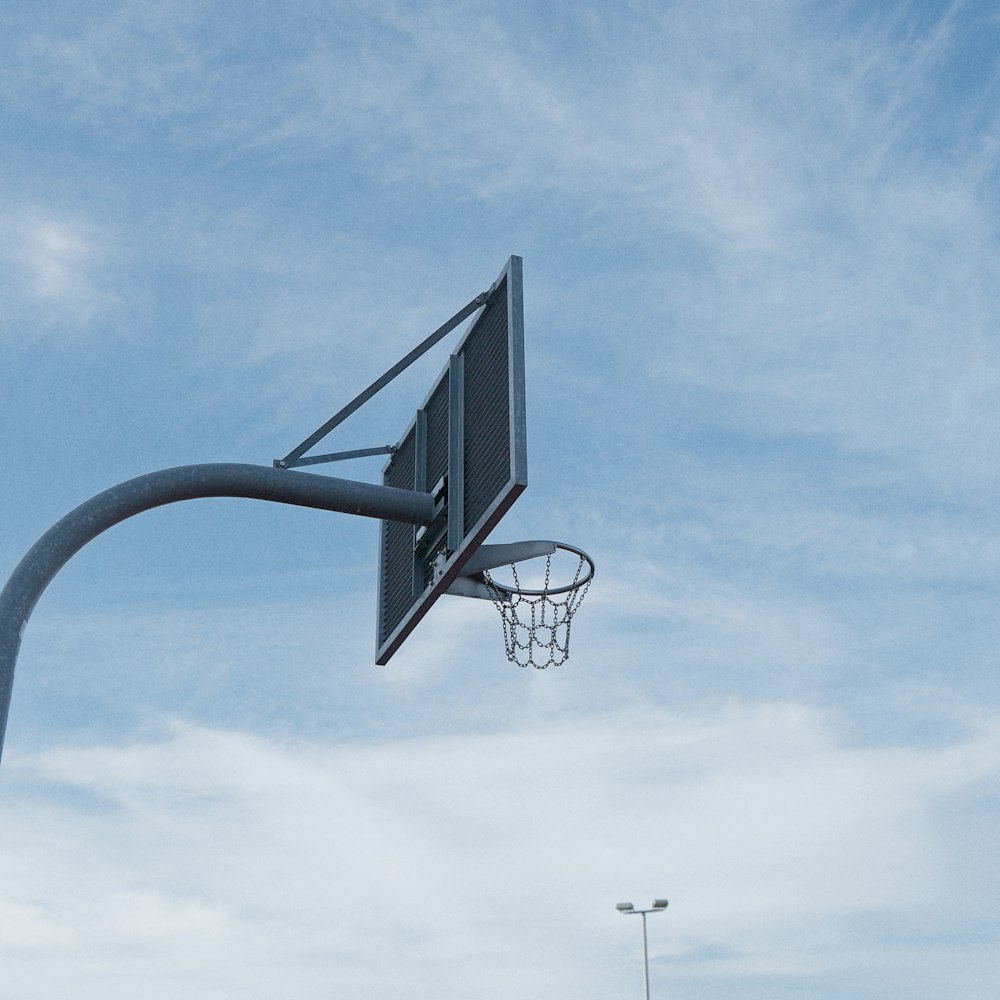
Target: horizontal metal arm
[471,583]
[51,552]
[493,556]
[337,456]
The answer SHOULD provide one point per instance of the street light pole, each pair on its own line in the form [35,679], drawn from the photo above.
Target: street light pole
[645,954]
[628,909]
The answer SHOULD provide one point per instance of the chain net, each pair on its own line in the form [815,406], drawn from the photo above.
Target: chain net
[536,625]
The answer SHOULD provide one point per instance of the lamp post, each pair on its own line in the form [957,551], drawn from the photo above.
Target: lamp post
[627,909]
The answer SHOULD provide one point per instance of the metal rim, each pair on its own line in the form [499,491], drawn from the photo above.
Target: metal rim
[502,588]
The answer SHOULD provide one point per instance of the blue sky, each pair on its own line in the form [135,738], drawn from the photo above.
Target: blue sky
[760,248]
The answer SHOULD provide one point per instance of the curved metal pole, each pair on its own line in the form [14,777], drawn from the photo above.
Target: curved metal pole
[187,482]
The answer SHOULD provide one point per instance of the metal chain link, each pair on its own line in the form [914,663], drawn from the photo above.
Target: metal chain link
[561,612]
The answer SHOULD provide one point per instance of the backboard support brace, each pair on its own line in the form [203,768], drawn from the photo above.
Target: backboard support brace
[297,456]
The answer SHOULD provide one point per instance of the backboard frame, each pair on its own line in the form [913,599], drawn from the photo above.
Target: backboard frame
[449,538]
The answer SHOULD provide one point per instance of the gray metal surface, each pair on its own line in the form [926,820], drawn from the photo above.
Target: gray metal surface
[51,552]
[495,556]
[468,445]
[337,456]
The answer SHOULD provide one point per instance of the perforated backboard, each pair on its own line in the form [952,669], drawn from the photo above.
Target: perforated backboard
[466,444]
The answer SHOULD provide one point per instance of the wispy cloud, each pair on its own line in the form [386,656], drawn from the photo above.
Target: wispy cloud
[57,273]
[852,266]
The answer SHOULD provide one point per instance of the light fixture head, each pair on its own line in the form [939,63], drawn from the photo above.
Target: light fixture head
[624,907]
[660,904]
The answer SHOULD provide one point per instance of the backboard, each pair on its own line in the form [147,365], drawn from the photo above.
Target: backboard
[467,445]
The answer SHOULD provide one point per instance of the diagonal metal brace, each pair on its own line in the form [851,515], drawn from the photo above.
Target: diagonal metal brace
[292,459]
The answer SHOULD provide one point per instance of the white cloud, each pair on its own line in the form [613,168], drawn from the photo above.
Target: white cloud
[57,273]
[55,256]
[453,860]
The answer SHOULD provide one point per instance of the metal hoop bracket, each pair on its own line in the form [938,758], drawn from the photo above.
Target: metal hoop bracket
[472,582]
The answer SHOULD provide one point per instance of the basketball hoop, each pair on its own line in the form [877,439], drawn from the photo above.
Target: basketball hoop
[536,621]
